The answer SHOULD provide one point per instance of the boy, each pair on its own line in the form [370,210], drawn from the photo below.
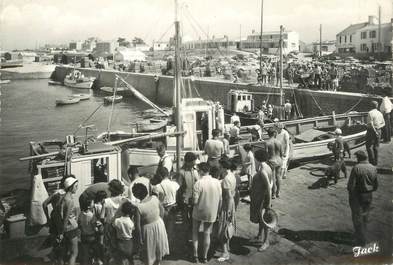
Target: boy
[86,223]
[124,228]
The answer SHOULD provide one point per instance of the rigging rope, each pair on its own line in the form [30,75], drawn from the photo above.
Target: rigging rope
[316,102]
[357,103]
[88,118]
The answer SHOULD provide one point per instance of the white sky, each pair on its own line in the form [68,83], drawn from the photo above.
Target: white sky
[27,23]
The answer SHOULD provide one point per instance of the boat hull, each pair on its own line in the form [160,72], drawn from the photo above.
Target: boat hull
[80,85]
[61,102]
[111,99]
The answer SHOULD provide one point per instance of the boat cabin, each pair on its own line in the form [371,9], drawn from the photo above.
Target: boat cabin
[240,101]
[93,164]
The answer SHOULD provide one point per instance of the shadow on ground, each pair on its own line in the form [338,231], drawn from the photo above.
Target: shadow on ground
[344,238]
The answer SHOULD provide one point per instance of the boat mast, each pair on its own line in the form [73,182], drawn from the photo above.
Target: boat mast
[320,40]
[177,88]
[281,70]
[260,44]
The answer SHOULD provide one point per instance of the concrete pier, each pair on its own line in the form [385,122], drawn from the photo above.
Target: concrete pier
[28,71]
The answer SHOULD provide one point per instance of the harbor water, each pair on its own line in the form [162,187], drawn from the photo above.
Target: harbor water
[29,113]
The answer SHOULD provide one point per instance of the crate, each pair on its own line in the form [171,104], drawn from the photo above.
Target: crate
[16,226]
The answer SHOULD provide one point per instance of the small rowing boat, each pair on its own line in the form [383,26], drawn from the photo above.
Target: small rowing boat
[81,96]
[54,83]
[107,89]
[3,82]
[150,125]
[67,101]
[113,99]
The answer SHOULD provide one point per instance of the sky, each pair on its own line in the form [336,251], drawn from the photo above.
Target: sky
[27,24]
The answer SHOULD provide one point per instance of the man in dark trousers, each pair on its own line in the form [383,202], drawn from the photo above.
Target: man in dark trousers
[375,124]
[362,182]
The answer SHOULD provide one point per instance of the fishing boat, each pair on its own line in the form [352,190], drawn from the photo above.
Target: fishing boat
[54,83]
[311,136]
[67,101]
[77,80]
[113,99]
[81,96]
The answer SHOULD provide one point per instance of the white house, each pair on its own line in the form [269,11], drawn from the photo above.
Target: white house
[161,46]
[363,38]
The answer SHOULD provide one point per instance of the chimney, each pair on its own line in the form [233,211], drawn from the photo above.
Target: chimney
[372,20]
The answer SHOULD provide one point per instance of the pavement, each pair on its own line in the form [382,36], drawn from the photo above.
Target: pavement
[315,225]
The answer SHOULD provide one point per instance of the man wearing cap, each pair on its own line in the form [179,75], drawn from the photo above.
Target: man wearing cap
[338,148]
[375,123]
[362,182]
[386,108]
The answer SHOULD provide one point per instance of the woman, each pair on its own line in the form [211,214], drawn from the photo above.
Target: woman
[69,231]
[109,209]
[150,228]
[226,219]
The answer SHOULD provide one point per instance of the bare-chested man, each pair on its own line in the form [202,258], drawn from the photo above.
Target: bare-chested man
[275,155]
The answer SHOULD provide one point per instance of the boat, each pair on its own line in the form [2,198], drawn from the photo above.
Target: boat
[81,96]
[113,99]
[67,101]
[77,80]
[5,81]
[107,89]
[54,83]
[150,125]
[311,136]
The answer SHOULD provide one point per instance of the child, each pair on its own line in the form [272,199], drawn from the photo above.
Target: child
[86,223]
[124,228]
[99,227]
[333,171]
[249,163]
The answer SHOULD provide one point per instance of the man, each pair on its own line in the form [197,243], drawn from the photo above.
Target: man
[386,109]
[362,182]
[287,110]
[234,118]
[133,175]
[275,154]
[284,139]
[375,123]
[214,148]
[234,133]
[225,141]
[207,203]
[165,160]
[317,76]
[260,198]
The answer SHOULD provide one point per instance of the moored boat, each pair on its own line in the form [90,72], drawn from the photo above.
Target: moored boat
[67,101]
[107,89]
[113,99]
[150,125]
[5,81]
[81,96]
[77,80]
[54,83]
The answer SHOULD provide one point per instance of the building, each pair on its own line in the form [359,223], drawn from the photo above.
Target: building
[104,49]
[129,55]
[89,44]
[213,43]
[13,56]
[161,46]
[142,47]
[270,42]
[28,57]
[75,45]
[363,38]
[328,47]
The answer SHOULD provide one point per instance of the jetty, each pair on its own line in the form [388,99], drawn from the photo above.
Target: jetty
[28,71]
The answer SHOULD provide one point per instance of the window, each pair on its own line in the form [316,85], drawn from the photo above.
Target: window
[340,39]
[374,47]
[345,39]
[350,38]
[372,34]
[363,47]
[363,35]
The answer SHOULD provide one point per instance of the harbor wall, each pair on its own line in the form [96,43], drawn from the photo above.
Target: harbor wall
[28,71]
[310,102]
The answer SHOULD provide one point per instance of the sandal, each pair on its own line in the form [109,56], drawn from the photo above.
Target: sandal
[195,259]
[263,247]
[204,260]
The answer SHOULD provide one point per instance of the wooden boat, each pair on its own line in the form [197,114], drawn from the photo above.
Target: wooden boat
[107,89]
[77,80]
[54,83]
[311,136]
[67,101]
[81,96]
[6,81]
[150,125]
[113,99]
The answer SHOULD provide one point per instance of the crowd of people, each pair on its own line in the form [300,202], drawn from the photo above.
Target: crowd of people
[119,220]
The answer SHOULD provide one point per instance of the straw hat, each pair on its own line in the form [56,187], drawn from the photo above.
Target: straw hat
[270,218]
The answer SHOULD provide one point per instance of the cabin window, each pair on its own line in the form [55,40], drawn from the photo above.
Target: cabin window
[244,97]
[99,167]
[239,97]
